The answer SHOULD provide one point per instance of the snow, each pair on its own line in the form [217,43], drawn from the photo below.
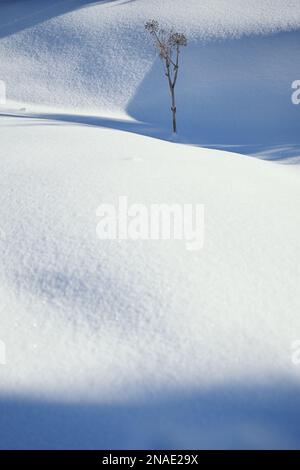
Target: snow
[96,58]
[144,344]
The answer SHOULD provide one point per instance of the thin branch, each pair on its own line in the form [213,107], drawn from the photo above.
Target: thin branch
[176,66]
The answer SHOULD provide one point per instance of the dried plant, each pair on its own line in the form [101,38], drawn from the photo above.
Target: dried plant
[168,44]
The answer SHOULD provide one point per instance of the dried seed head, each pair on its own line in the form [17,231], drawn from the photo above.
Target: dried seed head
[152,26]
[178,39]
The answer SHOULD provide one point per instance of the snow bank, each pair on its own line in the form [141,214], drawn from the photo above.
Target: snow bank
[94,54]
[116,323]
[234,89]
[145,344]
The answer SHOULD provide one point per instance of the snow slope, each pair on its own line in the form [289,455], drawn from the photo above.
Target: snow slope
[144,344]
[235,83]
[130,325]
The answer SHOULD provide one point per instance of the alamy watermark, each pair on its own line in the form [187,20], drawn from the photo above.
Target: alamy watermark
[2,353]
[2,92]
[296,93]
[153,222]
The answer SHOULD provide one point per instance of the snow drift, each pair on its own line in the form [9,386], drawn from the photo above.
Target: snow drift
[144,344]
[234,89]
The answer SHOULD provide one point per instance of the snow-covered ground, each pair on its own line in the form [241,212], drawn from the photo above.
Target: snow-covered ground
[143,344]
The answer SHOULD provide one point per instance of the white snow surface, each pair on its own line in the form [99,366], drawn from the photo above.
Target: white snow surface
[96,58]
[78,53]
[143,344]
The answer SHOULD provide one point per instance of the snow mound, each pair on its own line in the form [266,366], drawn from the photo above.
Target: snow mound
[122,344]
[234,89]
[111,323]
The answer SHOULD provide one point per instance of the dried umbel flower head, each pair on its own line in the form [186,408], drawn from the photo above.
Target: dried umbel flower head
[178,39]
[152,26]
